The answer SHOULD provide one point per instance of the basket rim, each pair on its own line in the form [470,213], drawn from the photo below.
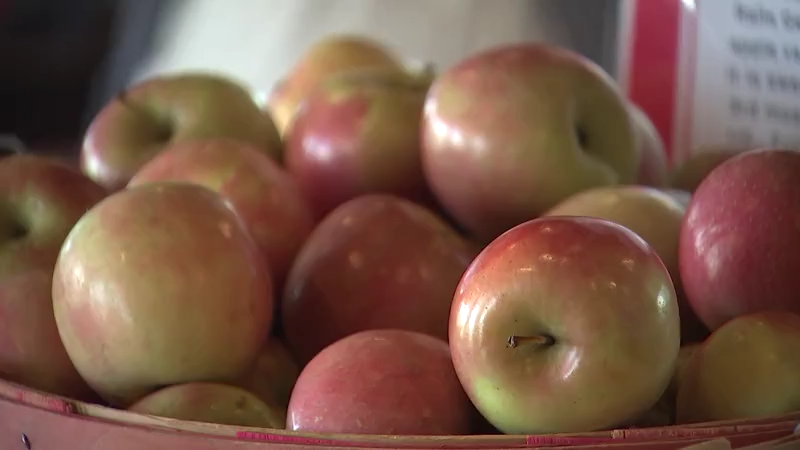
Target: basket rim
[18,394]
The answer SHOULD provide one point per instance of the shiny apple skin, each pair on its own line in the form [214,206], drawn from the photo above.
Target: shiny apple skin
[358,133]
[748,369]
[656,217]
[163,110]
[740,246]
[160,284]
[377,261]
[600,292]
[500,145]
[391,382]
[261,192]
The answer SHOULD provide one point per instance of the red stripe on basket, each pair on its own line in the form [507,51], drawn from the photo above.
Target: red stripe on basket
[653,70]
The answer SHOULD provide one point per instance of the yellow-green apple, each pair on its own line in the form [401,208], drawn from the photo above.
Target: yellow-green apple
[264,196]
[748,368]
[652,154]
[140,121]
[211,403]
[377,261]
[739,245]
[565,324]
[381,382]
[358,133]
[334,54]
[652,214]
[273,375]
[511,131]
[160,284]
[42,200]
[691,172]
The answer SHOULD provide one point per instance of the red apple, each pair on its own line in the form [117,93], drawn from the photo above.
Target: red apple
[652,155]
[160,284]
[211,403]
[42,200]
[273,375]
[334,54]
[377,261]
[140,121]
[265,197]
[740,246]
[358,133]
[381,382]
[565,324]
[511,131]
[748,369]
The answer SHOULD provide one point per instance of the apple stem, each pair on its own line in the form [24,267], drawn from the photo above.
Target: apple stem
[542,340]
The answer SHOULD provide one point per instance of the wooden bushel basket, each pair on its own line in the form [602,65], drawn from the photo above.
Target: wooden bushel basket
[33,420]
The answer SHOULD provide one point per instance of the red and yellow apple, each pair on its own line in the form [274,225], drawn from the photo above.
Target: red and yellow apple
[381,382]
[377,261]
[739,245]
[511,131]
[42,200]
[358,133]
[161,111]
[160,284]
[565,324]
[264,196]
[336,53]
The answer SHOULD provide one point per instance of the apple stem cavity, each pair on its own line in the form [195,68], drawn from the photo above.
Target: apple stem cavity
[541,340]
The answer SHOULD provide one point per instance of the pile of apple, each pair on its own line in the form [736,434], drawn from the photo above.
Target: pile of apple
[496,246]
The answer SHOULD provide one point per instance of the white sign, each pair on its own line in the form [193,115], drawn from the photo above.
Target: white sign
[731,77]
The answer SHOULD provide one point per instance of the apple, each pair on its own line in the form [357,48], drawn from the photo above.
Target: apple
[394,382]
[31,352]
[334,54]
[690,173]
[511,131]
[273,375]
[652,214]
[145,118]
[212,403]
[160,284]
[739,245]
[565,324]
[264,196]
[652,155]
[42,200]
[377,261]
[748,368]
[358,133]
